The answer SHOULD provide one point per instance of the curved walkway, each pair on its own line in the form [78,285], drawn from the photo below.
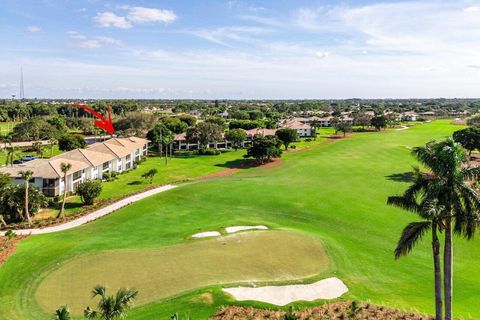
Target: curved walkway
[95,214]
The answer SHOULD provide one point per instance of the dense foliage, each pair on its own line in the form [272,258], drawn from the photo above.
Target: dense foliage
[89,190]
[264,148]
[69,142]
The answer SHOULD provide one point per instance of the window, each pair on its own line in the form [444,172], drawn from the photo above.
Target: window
[77,175]
[49,183]
[128,158]
[106,165]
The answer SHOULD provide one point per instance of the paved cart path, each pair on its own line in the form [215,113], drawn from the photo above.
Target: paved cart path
[95,214]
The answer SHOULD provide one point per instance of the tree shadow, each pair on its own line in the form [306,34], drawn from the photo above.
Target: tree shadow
[401,177]
[185,154]
[233,164]
[134,183]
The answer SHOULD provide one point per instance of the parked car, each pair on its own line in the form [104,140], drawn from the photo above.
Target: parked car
[28,158]
[18,161]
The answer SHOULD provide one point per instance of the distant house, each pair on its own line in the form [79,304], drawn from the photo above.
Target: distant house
[409,116]
[303,128]
[113,155]
[196,113]
[224,114]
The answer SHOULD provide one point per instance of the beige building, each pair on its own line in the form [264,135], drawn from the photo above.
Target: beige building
[113,155]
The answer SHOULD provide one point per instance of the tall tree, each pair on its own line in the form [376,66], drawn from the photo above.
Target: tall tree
[52,142]
[431,214]
[314,125]
[236,137]
[450,177]
[64,167]
[287,136]
[264,148]
[26,176]
[39,149]
[469,138]
[204,133]
[12,153]
[111,307]
[161,136]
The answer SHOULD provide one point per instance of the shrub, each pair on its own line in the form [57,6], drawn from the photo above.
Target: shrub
[89,190]
[149,175]
[209,152]
[308,140]
[10,234]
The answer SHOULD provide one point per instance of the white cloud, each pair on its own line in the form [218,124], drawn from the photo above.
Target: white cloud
[134,15]
[76,35]
[92,43]
[472,9]
[110,19]
[33,29]
[223,35]
[149,15]
[322,54]
[98,42]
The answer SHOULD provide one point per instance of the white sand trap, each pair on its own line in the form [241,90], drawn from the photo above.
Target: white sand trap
[329,288]
[234,229]
[206,234]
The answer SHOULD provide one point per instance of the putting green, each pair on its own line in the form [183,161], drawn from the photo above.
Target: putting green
[160,273]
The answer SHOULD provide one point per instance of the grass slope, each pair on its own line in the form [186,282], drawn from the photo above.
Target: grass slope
[336,192]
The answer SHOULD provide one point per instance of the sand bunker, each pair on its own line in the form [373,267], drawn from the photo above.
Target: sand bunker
[234,229]
[206,234]
[282,295]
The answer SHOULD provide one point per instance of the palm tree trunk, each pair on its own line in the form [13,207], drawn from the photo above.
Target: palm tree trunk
[62,214]
[448,268]
[438,273]
[27,214]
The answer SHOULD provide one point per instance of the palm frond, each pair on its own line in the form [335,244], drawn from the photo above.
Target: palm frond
[99,290]
[412,233]
[402,202]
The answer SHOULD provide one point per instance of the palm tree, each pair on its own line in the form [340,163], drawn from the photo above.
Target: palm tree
[111,307]
[449,183]
[52,142]
[7,141]
[62,313]
[38,146]
[431,214]
[26,176]
[314,125]
[64,167]
[12,153]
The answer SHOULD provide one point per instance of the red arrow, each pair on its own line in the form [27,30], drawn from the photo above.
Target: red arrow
[103,123]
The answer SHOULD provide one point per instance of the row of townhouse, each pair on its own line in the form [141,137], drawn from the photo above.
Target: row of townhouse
[182,144]
[113,155]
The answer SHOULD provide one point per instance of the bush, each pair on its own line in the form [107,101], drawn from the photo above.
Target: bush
[10,234]
[69,142]
[308,140]
[209,152]
[89,190]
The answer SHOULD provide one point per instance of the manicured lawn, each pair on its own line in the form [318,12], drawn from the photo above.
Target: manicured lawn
[182,168]
[6,127]
[334,192]
[47,153]
[161,273]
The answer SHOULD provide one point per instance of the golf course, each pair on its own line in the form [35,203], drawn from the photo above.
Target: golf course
[325,207]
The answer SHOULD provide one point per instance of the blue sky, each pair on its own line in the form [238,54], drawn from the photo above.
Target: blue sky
[240,49]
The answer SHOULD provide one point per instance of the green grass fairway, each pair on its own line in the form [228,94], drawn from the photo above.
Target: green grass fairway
[165,272]
[335,192]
